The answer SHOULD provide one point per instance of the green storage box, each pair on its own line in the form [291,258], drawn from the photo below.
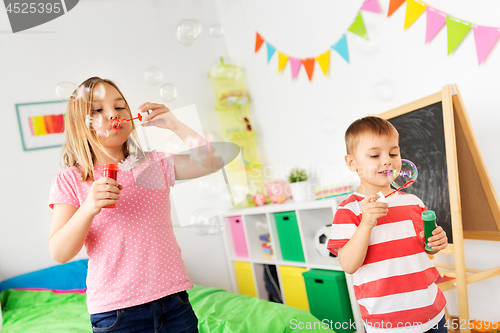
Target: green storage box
[289,236]
[329,299]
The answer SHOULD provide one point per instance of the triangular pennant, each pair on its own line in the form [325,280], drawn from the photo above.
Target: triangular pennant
[371,6]
[309,66]
[324,61]
[485,38]
[457,29]
[358,27]
[414,8]
[435,21]
[270,51]
[341,48]
[295,64]
[258,42]
[282,60]
[394,5]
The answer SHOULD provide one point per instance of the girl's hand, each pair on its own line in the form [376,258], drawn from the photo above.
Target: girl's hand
[372,210]
[104,191]
[438,241]
[159,117]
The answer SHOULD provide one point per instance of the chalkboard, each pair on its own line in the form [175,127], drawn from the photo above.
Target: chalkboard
[422,141]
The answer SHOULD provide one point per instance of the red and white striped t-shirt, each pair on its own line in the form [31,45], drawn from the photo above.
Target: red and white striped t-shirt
[395,284]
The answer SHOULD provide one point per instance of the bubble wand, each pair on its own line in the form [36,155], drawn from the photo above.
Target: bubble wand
[116,123]
[399,189]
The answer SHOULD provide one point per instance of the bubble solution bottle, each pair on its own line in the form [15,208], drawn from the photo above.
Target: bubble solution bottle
[429,220]
[110,171]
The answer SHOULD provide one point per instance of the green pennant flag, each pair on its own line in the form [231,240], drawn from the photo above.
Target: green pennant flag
[457,29]
[358,27]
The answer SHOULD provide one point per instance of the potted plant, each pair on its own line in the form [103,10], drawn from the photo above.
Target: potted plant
[299,184]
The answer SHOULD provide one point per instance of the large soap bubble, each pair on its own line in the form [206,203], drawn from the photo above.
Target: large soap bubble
[65,89]
[188,31]
[407,174]
[168,92]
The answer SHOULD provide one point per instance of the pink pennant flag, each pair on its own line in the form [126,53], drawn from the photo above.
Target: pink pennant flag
[295,64]
[435,21]
[485,38]
[371,6]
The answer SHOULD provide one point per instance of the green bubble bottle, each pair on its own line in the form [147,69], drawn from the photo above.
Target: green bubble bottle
[429,220]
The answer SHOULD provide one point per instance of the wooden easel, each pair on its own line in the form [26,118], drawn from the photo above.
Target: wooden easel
[477,216]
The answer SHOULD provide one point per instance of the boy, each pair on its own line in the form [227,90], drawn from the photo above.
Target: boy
[382,244]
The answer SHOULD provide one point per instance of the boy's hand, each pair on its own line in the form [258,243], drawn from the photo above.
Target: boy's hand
[372,210]
[438,241]
[104,191]
[159,117]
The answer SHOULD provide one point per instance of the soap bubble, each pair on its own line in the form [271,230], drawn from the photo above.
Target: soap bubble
[188,31]
[206,222]
[216,30]
[65,89]
[153,75]
[94,122]
[407,173]
[168,92]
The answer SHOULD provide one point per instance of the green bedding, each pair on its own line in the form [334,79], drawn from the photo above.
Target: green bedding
[26,311]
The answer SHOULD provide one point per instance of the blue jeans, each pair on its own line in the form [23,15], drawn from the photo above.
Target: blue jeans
[440,327]
[172,314]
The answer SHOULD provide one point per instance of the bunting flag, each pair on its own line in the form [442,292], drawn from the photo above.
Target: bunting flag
[270,51]
[358,27]
[258,42]
[371,6]
[282,60]
[324,61]
[414,8]
[394,5]
[295,64]
[457,29]
[435,21]
[485,38]
[309,66]
[341,48]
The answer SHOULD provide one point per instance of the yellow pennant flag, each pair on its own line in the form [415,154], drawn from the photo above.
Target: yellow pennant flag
[324,61]
[414,8]
[282,60]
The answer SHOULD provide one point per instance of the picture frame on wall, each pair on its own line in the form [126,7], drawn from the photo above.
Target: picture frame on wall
[41,124]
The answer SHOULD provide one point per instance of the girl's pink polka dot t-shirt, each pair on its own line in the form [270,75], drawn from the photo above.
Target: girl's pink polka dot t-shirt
[133,255]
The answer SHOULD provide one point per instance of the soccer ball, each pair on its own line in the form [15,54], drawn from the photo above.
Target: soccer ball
[320,241]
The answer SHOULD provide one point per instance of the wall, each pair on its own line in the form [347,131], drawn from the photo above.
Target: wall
[112,39]
[302,123]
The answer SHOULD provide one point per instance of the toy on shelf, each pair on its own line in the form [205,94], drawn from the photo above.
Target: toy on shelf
[232,104]
[300,186]
[321,240]
[259,199]
[334,190]
[265,239]
[278,191]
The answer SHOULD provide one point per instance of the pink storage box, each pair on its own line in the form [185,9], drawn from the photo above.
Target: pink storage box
[240,244]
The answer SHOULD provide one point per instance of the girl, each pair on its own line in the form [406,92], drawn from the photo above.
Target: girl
[136,280]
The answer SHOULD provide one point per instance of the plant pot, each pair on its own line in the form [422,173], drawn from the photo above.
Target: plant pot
[301,191]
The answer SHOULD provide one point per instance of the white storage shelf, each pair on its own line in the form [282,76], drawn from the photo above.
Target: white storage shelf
[311,215]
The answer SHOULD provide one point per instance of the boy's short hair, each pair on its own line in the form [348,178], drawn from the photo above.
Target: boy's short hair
[367,125]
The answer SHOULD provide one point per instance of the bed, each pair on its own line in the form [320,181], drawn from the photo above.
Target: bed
[53,300]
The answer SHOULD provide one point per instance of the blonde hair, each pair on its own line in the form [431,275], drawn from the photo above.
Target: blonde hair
[80,141]
[367,125]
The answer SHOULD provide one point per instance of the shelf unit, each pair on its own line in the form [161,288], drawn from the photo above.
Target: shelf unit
[310,216]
